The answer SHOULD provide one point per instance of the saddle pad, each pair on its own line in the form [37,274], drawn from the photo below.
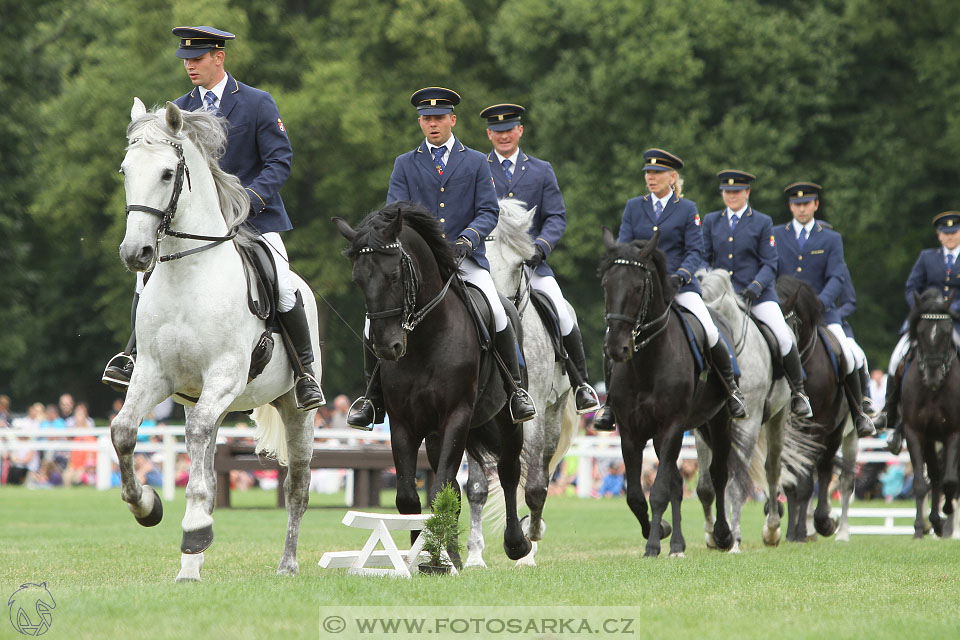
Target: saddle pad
[695,336]
[548,315]
[833,349]
[261,274]
[775,358]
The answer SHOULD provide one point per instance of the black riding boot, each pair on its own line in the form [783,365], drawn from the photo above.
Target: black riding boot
[367,410]
[521,405]
[120,368]
[723,365]
[851,384]
[799,401]
[584,395]
[604,420]
[890,416]
[867,403]
[300,349]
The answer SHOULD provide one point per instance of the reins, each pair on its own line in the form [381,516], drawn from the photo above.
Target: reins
[638,321]
[166,215]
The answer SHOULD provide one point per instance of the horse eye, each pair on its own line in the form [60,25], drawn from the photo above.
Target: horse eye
[167,175]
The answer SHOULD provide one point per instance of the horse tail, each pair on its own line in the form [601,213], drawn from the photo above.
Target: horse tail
[569,424]
[758,463]
[270,434]
[802,445]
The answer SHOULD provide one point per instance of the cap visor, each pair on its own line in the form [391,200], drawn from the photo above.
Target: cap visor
[656,167]
[733,187]
[434,111]
[803,199]
[188,54]
[503,126]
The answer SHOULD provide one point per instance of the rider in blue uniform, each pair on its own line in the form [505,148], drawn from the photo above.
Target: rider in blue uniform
[453,182]
[258,152]
[531,180]
[665,209]
[937,268]
[740,239]
[813,253]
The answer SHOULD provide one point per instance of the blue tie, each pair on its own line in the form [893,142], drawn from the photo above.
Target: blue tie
[733,221]
[657,209]
[802,238]
[438,159]
[506,168]
[950,260]
[209,101]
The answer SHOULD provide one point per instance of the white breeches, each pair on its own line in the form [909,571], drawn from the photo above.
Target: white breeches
[481,278]
[287,294]
[693,303]
[849,361]
[549,286]
[770,314]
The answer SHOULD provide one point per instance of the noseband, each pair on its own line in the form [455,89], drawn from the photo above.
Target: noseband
[941,361]
[410,316]
[638,325]
[166,215]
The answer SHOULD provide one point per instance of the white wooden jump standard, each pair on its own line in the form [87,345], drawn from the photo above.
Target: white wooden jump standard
[888,515]
[367,561]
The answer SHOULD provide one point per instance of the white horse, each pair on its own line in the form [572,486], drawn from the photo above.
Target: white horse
[195,334]
[547,437]
[764,438]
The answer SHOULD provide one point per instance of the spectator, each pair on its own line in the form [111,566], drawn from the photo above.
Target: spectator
[5,417]
[146,470]
[52,419]
[32,420]
[115,409]
[81,462]
[877,387]
[614,480]
[65,406]
[338,418]
[48,476]
[688,472]
[23,461]
[891,480]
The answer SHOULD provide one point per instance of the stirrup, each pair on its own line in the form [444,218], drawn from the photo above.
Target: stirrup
[593,396]
[523,395]
[313,405]
[358,406]
[800,405]
[118,362]
[867,432]
[736,398]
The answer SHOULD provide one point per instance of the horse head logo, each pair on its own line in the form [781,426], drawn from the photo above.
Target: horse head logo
[30,608]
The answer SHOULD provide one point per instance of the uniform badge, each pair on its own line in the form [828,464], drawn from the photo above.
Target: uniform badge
[280,124]
[696,219]
[493,182]
[773,242]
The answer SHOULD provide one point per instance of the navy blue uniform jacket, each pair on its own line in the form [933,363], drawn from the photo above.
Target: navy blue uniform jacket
[463,198]
[847,302]
[748,253]
[535,184]
[930,270]
[258,149]
[680,235]
[820,263]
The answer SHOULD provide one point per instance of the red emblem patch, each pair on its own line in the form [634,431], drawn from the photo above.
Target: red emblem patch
[696,219]
[773,242]
[280,124]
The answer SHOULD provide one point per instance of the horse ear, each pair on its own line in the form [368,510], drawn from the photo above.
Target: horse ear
[608,240]
[344,228]
[174,118]
[393,229]
[916,298]
[651,245]
[138,109]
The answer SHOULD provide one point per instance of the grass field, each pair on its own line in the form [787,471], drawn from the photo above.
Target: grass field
[112,579]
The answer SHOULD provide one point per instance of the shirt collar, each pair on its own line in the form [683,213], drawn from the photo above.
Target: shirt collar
[809,226]
[955,252]
[512,159]
[218,90]
[448,144]
[739,213]
[663,201]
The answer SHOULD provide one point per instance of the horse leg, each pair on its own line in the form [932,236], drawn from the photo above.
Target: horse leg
[667,453]
[632,452]
[145,392]
[793,508]
[477,489]
[515,543]
[719,471]
[823,523]
[849,448]
[705,490]
[951,449]
[296,487]
[537,481]
[677,542]
[405,452]
[935,473]
[804,492]
[771,526]
[915,446]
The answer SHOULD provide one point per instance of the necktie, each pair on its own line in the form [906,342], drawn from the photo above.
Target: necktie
[733,221]
[506,168]
[657,209]
[438,158]
[802,238]
[950,260]
[209,101]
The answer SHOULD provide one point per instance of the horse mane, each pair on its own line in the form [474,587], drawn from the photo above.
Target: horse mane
[715,283]
[513,227]
[371,232]
[930,302]
[209,134]
[807,306]
[631,251]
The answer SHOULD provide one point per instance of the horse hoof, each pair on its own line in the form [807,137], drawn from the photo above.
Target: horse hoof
[665,530]
[525,527]
[518,551]
[771,537]
[197,541]
[677,554]
[843,536]
[735,548]
[153,518]
[826,527]
[529,559]
[651,552]
[288,569]
[475,560]
[711,544]
[190,567]
[724,540]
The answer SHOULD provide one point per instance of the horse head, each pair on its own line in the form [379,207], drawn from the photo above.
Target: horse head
[510,245]
[931,326]
[802,309]
[633,277]
[718,293]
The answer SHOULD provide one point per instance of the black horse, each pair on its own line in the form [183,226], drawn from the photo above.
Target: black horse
[654,388]
[430,355]
[803,312]
[931,407]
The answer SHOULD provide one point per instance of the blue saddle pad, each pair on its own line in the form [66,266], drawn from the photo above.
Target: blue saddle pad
[830,342]
[699,360]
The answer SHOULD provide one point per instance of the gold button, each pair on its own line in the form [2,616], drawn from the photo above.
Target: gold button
[730,272]
[510,194]
[799,257]
[441,189]
[730,239]
[443,219]
[441,205]
[799,269]
[655,228]
[443,235]
[730,255]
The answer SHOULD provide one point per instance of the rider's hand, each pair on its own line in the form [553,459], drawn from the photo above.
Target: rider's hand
[676,280]
[537,258]
[749,295]
[463,248]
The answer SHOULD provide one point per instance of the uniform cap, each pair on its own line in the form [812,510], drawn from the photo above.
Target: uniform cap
[502,117]
[660,160]
[196,41]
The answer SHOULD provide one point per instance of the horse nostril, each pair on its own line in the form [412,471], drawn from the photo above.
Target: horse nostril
[146,254]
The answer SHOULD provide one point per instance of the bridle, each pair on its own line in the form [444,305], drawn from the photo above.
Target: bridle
[166,215]
[638,321]
[410,316]
[941,361]
[796,323]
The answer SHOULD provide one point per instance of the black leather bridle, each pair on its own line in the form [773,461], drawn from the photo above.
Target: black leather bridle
[638,321]
[166,215]
[942,361]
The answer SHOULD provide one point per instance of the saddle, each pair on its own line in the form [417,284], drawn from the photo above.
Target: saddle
[263,296]
[697,338]
[834,350]
[551,322]
[479,310]
[775,358]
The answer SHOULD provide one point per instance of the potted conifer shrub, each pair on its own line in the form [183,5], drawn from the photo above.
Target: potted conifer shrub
[441,531]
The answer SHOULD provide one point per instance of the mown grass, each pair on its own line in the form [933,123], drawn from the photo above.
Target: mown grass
[112,578]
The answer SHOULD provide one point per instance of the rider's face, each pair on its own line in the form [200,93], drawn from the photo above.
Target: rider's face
[437,129]
[949,240]
[803,211]
[736,200]
[206,70]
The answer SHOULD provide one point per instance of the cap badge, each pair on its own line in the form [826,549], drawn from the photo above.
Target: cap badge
[730,181]
[799,194]
[186,43]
